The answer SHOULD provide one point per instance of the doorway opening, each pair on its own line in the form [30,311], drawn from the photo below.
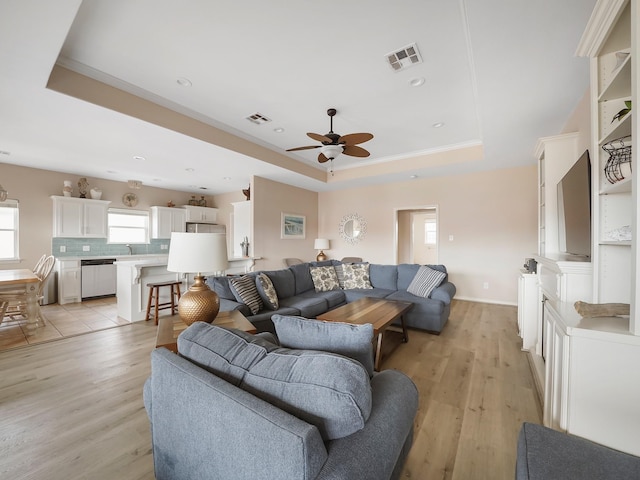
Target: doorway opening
[417,235]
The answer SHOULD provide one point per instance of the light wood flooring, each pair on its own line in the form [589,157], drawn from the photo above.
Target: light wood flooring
[72,409]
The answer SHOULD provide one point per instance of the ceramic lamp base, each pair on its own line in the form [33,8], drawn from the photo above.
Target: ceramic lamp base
[199,303]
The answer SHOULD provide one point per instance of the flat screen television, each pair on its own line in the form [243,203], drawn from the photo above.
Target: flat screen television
[574,208]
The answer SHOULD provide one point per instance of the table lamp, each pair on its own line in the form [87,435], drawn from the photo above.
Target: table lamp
[321,244]
[198,253]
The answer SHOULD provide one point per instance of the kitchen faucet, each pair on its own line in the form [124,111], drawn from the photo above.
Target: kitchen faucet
[130,249]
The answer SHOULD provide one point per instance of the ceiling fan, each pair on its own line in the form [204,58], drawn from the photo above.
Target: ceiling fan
[334,144]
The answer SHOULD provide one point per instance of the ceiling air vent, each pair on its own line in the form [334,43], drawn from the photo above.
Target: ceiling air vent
[405,57]
[258,119]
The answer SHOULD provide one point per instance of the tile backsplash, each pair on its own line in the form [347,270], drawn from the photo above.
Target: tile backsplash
[98,247]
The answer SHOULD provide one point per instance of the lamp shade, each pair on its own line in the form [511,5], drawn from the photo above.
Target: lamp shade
[321,244]
[197,252]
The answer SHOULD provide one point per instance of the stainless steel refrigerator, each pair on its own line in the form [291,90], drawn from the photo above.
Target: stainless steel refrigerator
[205,228]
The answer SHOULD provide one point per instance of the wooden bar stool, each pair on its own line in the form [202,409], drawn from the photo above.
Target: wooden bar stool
[154,298]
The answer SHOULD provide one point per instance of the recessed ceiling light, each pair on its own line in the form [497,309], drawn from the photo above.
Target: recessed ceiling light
[184,82]
[414,176]
[139,158]
[202,188]
[156,179]
[278,130]
[226,178]
[189,169]
[438,125]
[4,152]
[416,82]
[111,171]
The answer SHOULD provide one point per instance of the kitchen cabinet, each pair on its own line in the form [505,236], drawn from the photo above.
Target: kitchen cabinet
[165,220]
[69,286]
[79,217]
[200,214]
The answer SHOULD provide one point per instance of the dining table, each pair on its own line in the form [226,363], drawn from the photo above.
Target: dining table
[18,282]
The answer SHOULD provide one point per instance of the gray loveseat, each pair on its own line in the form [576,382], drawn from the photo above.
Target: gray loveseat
[297,295]
[237,406]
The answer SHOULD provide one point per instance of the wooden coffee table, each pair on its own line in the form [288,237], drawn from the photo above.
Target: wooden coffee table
[379,312]
[169,327]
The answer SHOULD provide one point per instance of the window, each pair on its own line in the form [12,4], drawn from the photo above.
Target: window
[128,226]
[430,232]
[9,230]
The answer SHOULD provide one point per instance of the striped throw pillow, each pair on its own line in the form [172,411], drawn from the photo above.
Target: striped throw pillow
[245,291]
[425,281]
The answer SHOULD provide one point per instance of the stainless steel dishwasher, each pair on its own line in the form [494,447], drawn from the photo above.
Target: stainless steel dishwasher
[98,277]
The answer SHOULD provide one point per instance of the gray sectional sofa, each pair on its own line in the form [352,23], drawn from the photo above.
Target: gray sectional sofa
[236,406]
[298,296]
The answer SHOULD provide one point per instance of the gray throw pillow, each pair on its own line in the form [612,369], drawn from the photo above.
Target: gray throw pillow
[267,291]
[329,391]
[353,341]
[425,281]
[245,291]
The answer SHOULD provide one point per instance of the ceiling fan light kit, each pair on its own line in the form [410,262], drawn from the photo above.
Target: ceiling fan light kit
[334,144]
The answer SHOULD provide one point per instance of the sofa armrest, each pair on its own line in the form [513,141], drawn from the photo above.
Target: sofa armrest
[545,454]
[384,440]
[229,305]
[205,427]
[444,292]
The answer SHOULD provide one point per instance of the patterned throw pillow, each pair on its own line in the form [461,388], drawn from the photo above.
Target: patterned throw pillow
[245,291]
[267,291]
[425,281]
[324,278]
[356,276]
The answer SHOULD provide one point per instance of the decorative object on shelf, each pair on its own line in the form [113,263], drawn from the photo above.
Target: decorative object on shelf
[96,193]
[202,202]
[292,227]
[245,247]
[618,166]
[83,187]
[134,184]
[67,188]
[321,244]
[198,253]
[621,57]
[192,201]
[130,199]
[247,192]
[622,234]
[619,116]
[3,194]
[170,204]
[353,228]
[591,310]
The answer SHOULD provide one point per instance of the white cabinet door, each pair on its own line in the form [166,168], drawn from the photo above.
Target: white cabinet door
[68,281]
[95,220]
[242,223]
[556,353]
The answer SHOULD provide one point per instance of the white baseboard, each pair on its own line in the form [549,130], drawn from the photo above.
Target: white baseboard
[484,300]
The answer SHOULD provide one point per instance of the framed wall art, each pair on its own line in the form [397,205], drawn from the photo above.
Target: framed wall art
[293,226]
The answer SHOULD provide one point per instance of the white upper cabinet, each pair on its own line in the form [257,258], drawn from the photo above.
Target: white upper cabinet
[165,220]
[201,214]
[79,217]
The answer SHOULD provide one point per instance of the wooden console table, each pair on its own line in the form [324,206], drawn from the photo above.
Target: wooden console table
[169,327]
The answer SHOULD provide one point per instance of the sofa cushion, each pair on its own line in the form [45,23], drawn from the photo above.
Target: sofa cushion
[407,272]
[358,293]
[356,275]
[329,391]
[221,286]
[353,341]
[302,277]
[383,276]
[283,281]
[425,281]
[308,306]
[334,298]
[267,291]
[245,291]
[324,278]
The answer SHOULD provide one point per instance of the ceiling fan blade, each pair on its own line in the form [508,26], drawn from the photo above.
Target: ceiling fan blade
[322,158]
[319,138]
[355,151]
[355,138]
[308,147]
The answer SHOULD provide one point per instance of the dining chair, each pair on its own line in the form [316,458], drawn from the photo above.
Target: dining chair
[351,259]
[15,304]
[39,264]
[291,261]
